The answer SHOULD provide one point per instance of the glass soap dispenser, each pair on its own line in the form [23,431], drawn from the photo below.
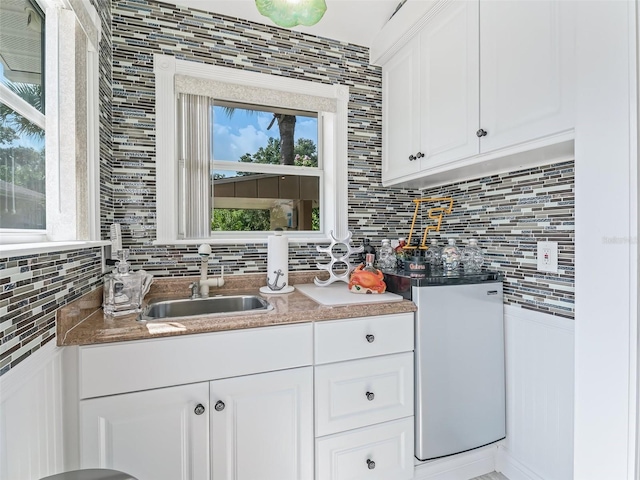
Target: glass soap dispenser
[124,290]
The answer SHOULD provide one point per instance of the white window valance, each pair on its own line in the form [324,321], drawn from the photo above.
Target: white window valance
[253,95]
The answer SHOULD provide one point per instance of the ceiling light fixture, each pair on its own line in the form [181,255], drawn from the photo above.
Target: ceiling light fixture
[289,13]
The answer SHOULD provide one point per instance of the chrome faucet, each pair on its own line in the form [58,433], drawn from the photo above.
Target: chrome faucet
[205,251]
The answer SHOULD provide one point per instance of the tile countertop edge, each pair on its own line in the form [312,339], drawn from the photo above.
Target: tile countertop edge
[82,322]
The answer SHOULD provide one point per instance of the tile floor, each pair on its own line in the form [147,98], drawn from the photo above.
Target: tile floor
[491,476]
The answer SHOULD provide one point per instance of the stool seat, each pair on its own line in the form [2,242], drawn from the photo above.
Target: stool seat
[91,474]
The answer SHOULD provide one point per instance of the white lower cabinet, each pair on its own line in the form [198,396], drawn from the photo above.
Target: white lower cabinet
[243,428]
[262,426]
[247,410]
[364,402]
[380,452]
[160,434]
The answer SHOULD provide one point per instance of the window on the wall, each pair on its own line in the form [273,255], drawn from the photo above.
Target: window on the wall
[254,152]
[48,166]
[22,120]
[265,168]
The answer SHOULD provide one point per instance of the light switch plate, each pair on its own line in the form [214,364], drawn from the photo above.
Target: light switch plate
[548,257]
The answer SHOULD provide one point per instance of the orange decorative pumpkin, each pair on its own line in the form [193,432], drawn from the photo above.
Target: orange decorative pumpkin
[364,281]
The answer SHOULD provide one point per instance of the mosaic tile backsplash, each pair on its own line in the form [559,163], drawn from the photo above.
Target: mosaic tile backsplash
[32,288]
[105,103]
[509,214]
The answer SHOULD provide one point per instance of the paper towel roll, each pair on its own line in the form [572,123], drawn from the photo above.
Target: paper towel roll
[277,261]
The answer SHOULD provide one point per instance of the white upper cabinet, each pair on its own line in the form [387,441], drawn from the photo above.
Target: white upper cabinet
[400,100]
[477,83]
[527,71]
[449,100]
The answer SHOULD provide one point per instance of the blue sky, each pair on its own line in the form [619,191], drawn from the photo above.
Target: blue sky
[246,131]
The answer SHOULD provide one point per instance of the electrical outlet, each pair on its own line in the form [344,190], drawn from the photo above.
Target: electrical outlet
[548,257]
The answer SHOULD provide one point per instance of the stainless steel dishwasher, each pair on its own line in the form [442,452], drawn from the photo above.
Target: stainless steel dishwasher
[459,359]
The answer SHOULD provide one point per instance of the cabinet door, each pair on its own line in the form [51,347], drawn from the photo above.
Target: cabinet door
[156,434]
[401,114]
[262,426]
[526,70]
[449,87]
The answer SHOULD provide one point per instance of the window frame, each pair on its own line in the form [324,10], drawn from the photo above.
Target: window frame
[32,114]
[63,222]
[332,140]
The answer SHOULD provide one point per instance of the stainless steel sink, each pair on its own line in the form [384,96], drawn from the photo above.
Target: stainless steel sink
[161,309]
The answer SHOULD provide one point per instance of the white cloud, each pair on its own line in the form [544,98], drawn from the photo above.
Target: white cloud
[264,119]
[249,140]
[307,129]
[231,146]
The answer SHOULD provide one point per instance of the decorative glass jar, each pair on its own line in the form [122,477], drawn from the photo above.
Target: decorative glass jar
[433,254]
[450,256]
[472,256]
[386,256]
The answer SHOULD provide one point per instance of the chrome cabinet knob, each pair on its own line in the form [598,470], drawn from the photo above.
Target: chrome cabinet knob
[419,155]
[411,158]
[219,406]
[199,410]
[370,396]
[481,133]
[370,338]
[371,464]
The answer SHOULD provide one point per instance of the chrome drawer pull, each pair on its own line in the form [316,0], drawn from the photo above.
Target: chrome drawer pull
[370,338]
[370,396]
[371,464]
[492,292]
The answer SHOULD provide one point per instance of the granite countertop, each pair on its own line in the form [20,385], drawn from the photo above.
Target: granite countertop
[82,322]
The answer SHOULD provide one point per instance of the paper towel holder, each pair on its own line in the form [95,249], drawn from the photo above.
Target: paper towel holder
[272,287]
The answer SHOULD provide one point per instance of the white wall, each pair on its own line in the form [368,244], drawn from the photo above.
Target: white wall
[540,367]
[31,441]
[606,288]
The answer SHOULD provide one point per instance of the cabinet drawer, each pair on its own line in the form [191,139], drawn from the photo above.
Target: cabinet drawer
[363,392]
[349,455]
[363,337]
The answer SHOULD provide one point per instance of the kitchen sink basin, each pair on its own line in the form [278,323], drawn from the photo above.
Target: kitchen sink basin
[232,304]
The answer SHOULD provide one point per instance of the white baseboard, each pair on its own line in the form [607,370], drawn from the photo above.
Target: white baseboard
[512,468]
[459,467]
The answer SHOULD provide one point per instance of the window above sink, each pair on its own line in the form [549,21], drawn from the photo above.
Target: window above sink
[249,188]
